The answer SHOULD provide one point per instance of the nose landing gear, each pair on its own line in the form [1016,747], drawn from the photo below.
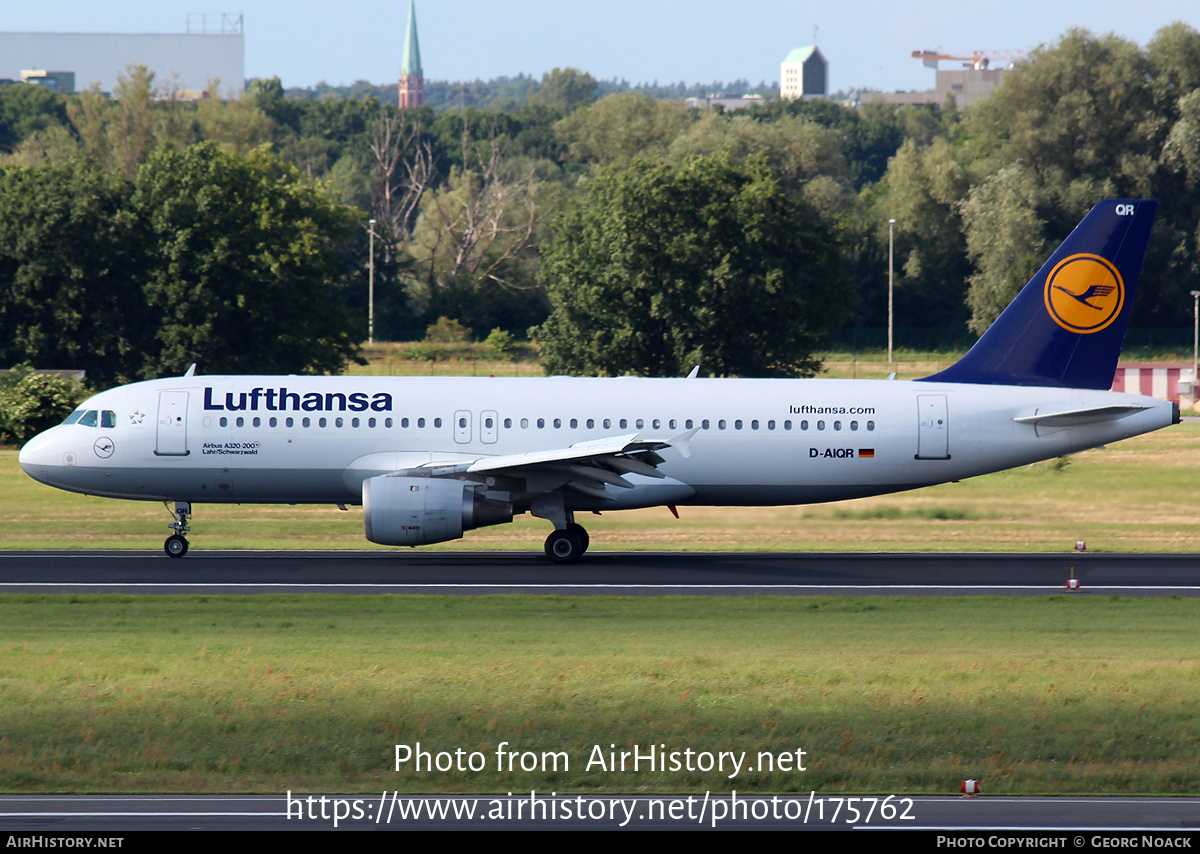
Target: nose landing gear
[177,544]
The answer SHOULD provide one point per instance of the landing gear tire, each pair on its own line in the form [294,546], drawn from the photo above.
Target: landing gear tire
[175,546]
[564,546]
[580,532]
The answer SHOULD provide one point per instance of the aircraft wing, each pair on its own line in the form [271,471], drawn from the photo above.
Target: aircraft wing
[586,467]
[592,452]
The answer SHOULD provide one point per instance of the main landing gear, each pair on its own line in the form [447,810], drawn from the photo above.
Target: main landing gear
[177,544]
[567,545]
[568,541]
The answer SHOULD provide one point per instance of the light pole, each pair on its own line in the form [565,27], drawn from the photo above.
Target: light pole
[371,286]
[891,279]
[1195,343]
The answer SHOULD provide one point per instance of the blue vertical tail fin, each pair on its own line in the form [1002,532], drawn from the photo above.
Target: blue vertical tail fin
[1066,326]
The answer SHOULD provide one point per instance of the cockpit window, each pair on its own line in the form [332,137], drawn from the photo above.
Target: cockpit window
[105,418]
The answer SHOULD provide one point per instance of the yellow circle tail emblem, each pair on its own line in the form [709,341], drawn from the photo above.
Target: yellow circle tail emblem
[1084,293]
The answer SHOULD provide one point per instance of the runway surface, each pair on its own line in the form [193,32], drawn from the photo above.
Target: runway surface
[610,573]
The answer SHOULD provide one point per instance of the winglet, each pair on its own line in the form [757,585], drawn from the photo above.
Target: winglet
[1066,326]
[683,442]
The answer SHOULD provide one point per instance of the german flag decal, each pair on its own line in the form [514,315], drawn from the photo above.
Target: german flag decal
[866,453]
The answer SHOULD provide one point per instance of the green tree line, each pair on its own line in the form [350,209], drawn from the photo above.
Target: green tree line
[203,256]
[569,201]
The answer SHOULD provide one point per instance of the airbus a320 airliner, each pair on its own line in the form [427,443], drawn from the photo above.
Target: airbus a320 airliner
[430,458]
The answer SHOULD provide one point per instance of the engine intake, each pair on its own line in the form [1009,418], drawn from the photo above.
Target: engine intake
[416,511]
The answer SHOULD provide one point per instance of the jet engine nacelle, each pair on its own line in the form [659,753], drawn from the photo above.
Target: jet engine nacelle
[416,511]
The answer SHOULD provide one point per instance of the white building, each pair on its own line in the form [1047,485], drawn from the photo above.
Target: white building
[185,61]
[804,73]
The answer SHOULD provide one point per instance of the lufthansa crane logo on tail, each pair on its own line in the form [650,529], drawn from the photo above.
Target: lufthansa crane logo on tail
[1084,293]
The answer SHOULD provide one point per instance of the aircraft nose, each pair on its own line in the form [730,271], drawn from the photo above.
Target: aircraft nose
[38,454]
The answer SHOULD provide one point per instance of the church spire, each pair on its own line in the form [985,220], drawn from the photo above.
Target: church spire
[412,79]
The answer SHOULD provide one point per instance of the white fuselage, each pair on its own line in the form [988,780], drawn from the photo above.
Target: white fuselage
[757,442]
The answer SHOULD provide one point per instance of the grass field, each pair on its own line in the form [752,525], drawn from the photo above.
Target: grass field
[471,360]
[409,358]
[312,693]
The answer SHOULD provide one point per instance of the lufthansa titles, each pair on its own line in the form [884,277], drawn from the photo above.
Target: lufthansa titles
[282,400]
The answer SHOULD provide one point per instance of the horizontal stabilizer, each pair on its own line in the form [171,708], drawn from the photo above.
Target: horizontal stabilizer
[1075,417]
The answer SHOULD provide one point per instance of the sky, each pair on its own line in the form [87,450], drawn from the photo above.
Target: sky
[867,43]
